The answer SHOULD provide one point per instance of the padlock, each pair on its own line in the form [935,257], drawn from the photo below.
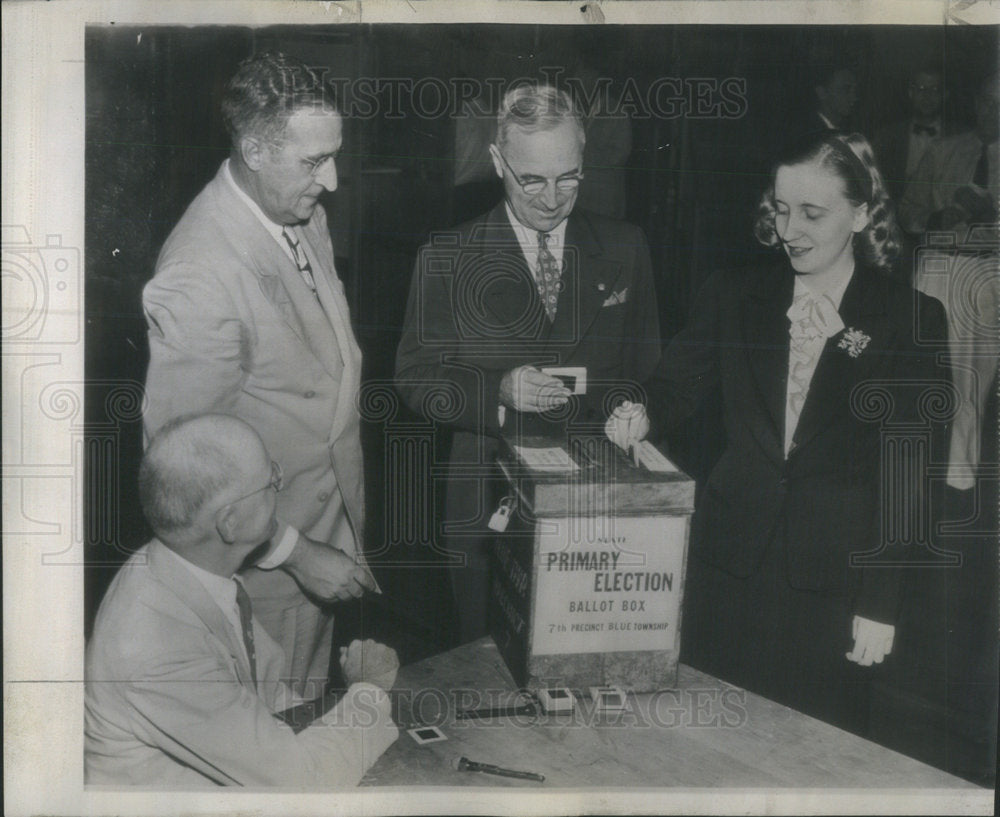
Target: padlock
[501,516]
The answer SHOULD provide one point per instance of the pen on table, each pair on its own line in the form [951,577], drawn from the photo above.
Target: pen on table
[497,712]
[463,764]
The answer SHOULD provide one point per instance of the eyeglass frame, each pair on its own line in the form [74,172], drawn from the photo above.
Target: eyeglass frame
[276,482]
[574,179]
[313,165]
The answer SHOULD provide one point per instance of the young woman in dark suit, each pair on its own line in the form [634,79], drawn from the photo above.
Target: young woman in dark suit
[814,356]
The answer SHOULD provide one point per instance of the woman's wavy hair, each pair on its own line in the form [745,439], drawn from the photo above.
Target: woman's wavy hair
[851,159]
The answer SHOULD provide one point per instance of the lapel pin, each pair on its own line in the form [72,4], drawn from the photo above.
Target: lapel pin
[600,287]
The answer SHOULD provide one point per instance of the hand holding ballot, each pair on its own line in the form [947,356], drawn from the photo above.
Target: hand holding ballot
[530,390]
[627,424]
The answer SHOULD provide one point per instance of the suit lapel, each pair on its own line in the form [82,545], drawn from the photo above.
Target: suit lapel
[589,279]
[318,316]
[765,341]
[179,581]
[278,278]
[501,274]
[862,308]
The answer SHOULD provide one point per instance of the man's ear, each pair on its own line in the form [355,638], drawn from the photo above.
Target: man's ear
[497,161]
[226,523]
[252,152]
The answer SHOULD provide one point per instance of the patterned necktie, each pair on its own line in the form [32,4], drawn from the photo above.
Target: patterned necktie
[246,619]
[813,320]
[547,276]
[980,175]
[300,258]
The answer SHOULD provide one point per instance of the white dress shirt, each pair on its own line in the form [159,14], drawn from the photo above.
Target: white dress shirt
[273,229]
[918,144]
[834,291]
[221,590]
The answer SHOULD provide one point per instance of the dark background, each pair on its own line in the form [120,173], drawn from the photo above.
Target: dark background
[155,138]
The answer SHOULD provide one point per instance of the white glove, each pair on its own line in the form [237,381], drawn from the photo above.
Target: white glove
[627,425]
[872,641]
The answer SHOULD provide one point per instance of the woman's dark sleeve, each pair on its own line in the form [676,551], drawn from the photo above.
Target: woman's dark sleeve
[689,369]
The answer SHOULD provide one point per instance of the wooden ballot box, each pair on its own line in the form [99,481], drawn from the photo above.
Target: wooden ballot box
[587,578]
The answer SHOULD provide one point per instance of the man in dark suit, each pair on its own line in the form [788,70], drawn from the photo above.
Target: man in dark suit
[530,285]
[899,146]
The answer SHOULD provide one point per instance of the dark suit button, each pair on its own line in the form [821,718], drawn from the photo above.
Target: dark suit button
[783,482]
[309,394]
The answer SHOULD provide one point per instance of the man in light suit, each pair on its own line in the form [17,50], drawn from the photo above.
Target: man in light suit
[247,317]
[182,684]
[899,146]
[957,183]
[530,285]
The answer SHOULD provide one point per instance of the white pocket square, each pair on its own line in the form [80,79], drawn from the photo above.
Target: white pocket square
[616,298]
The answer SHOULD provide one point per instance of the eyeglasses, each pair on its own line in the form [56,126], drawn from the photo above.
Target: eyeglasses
[564,184]
[275,482]
[315,165]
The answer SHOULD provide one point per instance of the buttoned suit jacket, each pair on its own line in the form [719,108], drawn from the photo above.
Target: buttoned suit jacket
[170,700]
[826,499]
[233,328]
[474,313]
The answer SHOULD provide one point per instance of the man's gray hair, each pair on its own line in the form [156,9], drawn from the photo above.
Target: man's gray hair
[187,463]
[532,108]
[266,90]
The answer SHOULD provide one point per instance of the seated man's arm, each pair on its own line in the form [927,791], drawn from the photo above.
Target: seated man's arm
[192,708]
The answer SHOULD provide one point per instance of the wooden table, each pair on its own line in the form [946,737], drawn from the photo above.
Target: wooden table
[704,734]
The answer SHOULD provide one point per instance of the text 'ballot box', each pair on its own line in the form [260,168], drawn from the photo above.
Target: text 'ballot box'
[588,577]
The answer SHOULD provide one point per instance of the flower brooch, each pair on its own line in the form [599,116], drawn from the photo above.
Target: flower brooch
[854,341]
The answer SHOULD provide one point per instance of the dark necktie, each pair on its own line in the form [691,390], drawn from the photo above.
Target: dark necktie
[300,258]
[547,276]
[980,175]
[246,620]
[928,130]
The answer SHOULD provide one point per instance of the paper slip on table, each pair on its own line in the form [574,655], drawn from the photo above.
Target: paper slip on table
[704,733]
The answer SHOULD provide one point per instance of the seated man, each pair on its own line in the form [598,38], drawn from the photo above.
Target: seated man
[182,683]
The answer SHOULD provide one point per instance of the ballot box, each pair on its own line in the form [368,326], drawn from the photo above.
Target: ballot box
[587,576]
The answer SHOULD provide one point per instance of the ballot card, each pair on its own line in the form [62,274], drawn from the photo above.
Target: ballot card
[648,455]
[573,378]
[427,734]
[556,700]
[546,459]
[608,698]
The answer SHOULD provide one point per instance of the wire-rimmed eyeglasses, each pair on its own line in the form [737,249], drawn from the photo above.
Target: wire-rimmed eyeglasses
[532,187]
[275,482]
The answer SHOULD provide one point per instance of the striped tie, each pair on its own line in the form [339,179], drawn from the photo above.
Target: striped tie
[246,619]
[300,258]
